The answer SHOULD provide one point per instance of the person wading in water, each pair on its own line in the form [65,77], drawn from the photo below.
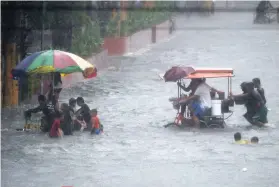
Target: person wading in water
[256,110]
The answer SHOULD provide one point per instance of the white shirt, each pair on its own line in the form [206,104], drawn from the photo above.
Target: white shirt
[203,91]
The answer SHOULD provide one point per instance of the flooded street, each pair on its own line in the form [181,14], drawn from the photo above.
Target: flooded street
[135,149]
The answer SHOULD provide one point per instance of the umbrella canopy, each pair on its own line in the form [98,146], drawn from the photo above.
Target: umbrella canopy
[53,61]
[176,73]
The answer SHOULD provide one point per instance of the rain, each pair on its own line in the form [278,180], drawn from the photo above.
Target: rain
[133,104]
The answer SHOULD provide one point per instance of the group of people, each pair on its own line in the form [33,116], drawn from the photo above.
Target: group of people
[63,120]
[238,139]
[199,102]
[253,97]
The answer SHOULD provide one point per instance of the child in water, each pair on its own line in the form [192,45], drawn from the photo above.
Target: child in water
[97,128]
[255,140]
[238,140]
[55,130]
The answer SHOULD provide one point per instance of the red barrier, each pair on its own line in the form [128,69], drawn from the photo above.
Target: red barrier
[116,46]
[121,45]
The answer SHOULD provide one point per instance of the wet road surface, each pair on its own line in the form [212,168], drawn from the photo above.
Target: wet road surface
[135,150]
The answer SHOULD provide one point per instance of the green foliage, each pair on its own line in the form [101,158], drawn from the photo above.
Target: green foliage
[112,26]
[86,38]
[142,19]
[124,29]
[34,85]
[85,33]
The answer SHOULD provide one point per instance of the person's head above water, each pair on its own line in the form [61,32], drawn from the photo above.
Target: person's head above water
[237,136]
[72,102]
[255,139]
[94,112]
[257,82]
[80,101]
[41,99]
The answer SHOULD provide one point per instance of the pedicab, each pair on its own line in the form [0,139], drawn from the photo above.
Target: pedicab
[221,106]
[50,62]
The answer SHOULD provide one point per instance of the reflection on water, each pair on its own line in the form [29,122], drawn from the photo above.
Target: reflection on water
[133,105]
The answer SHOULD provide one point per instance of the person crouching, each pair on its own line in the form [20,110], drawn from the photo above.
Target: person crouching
[97,128]
[55,130]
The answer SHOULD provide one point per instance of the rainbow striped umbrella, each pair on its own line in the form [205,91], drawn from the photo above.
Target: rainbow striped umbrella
[54,61]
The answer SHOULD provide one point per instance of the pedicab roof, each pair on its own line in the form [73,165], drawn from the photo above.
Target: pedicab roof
[210,73]
[189,72]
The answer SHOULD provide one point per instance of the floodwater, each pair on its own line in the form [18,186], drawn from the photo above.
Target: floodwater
[135,149]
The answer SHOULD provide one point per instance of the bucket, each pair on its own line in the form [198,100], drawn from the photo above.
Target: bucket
[216,107]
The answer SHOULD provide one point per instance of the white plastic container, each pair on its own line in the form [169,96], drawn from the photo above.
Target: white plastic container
[216,107]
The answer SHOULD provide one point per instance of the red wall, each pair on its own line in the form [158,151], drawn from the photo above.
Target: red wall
[122,45]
